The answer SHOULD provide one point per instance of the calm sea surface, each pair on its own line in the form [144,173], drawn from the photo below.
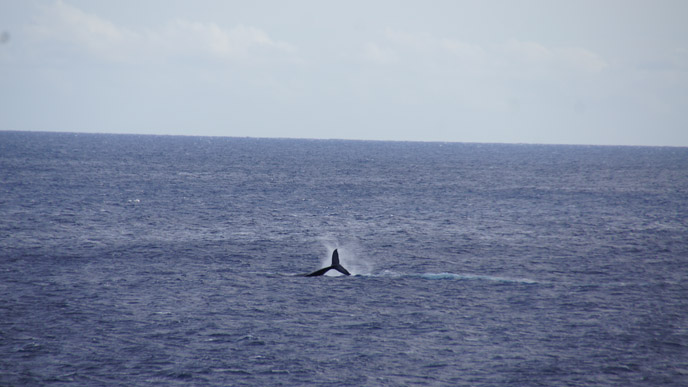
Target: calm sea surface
[134,260]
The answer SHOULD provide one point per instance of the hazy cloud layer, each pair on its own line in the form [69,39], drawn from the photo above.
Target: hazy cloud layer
[489,71]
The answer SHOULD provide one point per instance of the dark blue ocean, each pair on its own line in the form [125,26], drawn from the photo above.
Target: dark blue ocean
[136,260]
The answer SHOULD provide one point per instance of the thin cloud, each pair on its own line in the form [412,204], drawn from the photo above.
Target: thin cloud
[533,54]
[99,37]
[380,55]
[430,46]
[514,56]
[240,42]
[66,24]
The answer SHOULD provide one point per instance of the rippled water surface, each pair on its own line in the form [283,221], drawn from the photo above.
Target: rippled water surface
[135,260]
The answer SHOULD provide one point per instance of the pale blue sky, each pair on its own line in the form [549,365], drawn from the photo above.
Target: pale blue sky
[559,72]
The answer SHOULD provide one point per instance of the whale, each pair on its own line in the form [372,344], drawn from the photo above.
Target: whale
[335,266]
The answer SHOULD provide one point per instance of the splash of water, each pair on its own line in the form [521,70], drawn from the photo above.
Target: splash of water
[349,256]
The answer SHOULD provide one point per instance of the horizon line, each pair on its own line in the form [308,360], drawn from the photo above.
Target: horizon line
[342,139]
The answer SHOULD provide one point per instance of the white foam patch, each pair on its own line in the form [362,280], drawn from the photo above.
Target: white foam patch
[476,277]
[454,276]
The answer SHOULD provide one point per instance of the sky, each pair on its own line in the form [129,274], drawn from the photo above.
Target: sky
[600,72]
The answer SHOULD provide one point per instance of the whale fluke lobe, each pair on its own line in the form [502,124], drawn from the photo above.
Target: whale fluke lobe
[335,257]
[335,265]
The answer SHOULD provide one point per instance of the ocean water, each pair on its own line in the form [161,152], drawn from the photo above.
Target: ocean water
[136,260]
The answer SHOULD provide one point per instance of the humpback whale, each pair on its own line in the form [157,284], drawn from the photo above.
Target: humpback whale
[335,265]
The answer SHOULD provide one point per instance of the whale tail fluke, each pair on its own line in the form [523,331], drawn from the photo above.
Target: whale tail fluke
[341,269]
[335,265]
